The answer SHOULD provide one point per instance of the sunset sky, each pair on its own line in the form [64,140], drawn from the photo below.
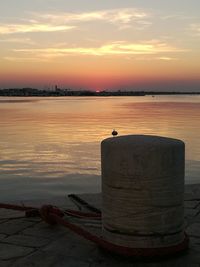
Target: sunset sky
[98,45]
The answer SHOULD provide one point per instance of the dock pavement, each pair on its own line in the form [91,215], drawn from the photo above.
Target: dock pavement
[28,242]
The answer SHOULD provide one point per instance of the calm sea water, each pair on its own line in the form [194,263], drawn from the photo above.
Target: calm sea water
[51,146]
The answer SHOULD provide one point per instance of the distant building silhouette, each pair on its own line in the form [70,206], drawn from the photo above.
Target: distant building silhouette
[68,92]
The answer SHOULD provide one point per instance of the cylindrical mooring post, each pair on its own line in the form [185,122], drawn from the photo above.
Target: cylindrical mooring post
[143,191]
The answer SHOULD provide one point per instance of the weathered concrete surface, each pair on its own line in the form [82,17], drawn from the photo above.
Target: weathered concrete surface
[9,251]
[28,242]
[7,214]
[11,227]
[143,190]
[2,236]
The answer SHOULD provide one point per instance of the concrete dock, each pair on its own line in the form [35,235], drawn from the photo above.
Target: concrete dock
[31,242]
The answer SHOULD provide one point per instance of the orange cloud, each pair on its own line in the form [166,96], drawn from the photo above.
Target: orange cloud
[114,48]
[27,28]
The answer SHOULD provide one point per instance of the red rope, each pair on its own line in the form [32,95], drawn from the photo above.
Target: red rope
[15,207]
[48,213]
[53,215]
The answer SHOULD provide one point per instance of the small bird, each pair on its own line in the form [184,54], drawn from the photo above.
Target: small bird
[114,133]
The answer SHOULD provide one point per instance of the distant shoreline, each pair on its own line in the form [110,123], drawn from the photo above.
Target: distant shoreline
[23,92]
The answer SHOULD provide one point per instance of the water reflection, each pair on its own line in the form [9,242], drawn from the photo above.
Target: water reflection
[52,138]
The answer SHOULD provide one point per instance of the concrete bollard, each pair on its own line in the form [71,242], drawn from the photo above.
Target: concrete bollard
[143,191]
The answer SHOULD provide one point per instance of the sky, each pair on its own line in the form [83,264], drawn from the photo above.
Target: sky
[100,45]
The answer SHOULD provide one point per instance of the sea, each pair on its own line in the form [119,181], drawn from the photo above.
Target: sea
[50,146]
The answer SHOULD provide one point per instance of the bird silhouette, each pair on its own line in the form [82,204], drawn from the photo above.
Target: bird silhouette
[114,133]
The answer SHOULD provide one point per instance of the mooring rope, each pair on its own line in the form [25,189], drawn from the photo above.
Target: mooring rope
[53,215]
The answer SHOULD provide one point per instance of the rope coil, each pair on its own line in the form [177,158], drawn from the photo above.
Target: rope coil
[47,213]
